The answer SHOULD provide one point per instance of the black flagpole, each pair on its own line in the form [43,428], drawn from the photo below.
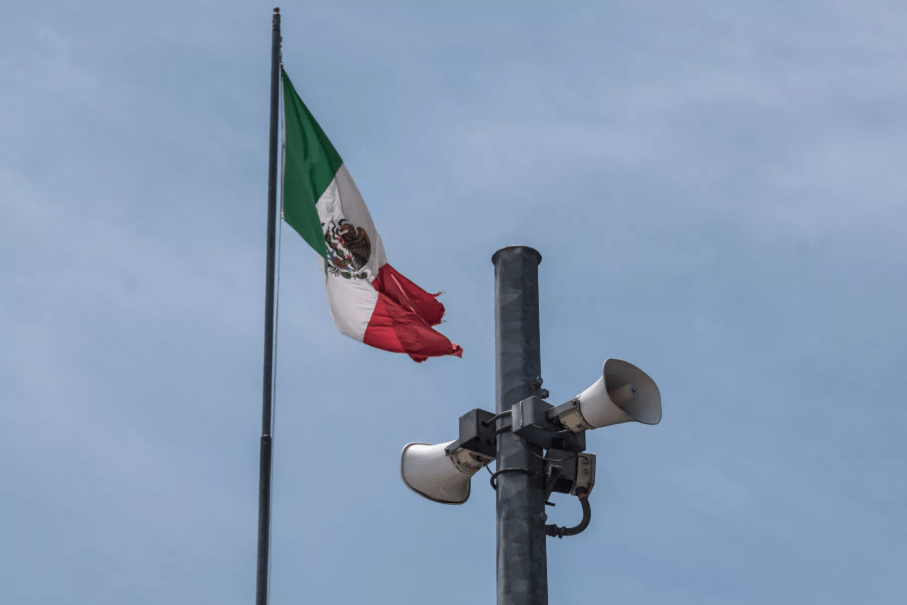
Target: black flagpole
[264,479]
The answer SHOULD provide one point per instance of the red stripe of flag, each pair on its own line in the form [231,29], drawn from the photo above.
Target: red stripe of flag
[403,318]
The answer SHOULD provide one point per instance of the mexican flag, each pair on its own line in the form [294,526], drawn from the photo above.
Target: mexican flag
[369,300]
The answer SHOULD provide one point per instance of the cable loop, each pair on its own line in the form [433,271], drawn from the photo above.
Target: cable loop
[496,417]
[503,429]
[560,532]
[494,475]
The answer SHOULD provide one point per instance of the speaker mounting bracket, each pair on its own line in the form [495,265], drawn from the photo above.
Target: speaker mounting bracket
[529,420]
[476,434]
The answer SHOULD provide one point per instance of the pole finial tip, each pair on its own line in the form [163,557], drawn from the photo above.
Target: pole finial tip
[276,9]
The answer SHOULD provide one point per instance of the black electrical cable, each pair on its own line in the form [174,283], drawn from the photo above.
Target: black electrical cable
[560,532]
[503,429]
[494,475]
[496,417]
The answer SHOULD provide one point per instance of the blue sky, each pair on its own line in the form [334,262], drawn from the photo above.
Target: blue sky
[717,190]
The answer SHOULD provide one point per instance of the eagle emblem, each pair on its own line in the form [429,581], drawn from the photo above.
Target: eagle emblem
[348,248]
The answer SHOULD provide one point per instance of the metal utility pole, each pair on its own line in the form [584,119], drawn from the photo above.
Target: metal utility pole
[522,559]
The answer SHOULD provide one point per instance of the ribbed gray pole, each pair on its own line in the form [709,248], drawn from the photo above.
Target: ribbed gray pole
[522,557]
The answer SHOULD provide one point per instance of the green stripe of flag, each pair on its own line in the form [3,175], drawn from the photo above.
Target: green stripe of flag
[309,167]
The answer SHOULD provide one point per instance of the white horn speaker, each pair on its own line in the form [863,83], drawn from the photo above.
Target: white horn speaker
[624,393]
[431,473]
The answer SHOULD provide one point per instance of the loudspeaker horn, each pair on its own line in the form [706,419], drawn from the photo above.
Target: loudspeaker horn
[624,393]
[430,472]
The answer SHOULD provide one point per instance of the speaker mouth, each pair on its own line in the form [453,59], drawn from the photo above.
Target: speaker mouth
[646,408]
[421,493]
